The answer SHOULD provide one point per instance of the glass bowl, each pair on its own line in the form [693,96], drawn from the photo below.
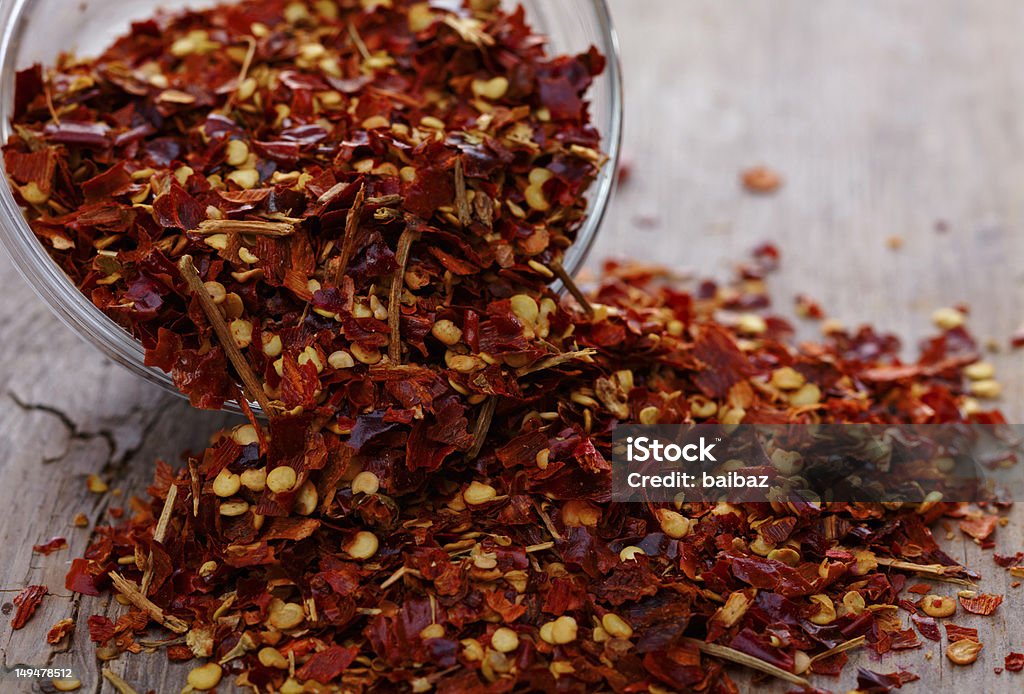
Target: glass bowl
[36,31]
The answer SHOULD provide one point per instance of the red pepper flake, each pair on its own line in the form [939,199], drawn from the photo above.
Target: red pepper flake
[920,589]
[761,180]
[1007,560]
[1017,339]
[80,577]
[60,630]
[1014,662]
[979,525]
[50,546]
[27,601]
[101,628]
[957,633]
[328,664]
[983,604]
[807,307]
[927,626]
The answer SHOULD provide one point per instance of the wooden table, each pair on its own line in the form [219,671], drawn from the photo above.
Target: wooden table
[888,118]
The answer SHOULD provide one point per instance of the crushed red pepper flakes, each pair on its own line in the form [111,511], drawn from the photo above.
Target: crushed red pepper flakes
[432,557]
[455,132]
[26,603]
[349,131]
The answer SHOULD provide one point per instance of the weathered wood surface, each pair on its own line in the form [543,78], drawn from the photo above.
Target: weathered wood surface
[885,116]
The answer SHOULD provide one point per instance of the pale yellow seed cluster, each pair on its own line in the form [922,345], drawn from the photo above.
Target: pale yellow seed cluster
[365,483]
[245,435]
[827,610]
[616,627]
[751,324]
[340,360]
[963,652]
[447,332]
[281,479]
[271,657]
[205,677]
[630,553]
[285,615]
[363,545]
[432,631]
[226,483]
[578,513]
[493,89]
[673,523]
[948,318]
[478,493]
[534,193]
[809,394]
[938,606]
[504,640]
[560,631]
[787,378]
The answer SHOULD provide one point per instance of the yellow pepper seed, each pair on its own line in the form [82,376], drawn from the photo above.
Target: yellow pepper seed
[205,677]
[281,479]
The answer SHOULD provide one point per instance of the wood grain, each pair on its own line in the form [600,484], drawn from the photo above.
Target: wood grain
[886,117]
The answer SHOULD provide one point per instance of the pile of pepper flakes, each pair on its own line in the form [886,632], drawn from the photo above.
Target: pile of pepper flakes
[349,213]
[300,560]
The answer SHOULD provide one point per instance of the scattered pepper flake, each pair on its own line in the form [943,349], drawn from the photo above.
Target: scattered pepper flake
[761,180]
[26,603]
[50,546]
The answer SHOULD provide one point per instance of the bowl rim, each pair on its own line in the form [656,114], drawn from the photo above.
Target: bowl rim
[74,309]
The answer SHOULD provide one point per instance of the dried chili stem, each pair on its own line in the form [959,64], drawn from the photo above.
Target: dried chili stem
[135,597]
[937,570]
[570,284]
[841,648]
[246,226]
[740,658]
[483,425]
[49,105]
[461,196]
[546,520]
[348,241]
[243,73]
[395,296]
[250,383]
[556,360]
[358,41]
[151,643]
[332,194]
[158,534]
[385,200]
[117,683]
[539,547]
[398,575]
[193,474]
